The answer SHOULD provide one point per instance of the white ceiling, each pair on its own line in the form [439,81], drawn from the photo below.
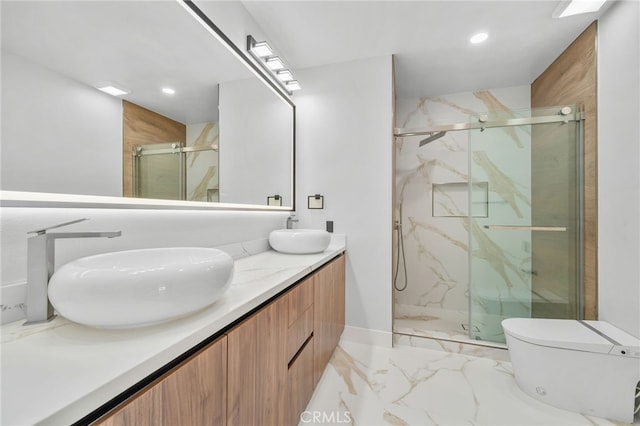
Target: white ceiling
[144,45]
[429,39]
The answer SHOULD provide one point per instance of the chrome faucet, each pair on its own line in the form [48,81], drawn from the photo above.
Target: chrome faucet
[290,220]
[41,264]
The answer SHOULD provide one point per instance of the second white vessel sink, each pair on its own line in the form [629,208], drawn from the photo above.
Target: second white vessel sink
[140,287]
[299,241]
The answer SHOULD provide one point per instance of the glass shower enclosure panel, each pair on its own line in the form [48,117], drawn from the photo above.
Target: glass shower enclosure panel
[159,171]
[525,255]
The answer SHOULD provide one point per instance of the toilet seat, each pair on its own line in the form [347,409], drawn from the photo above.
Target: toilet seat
[587,336]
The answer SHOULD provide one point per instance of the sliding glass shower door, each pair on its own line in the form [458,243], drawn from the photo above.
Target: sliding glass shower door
[158,171]
[525,249]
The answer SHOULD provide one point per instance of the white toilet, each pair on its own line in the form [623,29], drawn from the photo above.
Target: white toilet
[590,367]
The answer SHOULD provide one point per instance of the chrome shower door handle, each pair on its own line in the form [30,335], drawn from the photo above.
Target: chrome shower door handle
[526,228]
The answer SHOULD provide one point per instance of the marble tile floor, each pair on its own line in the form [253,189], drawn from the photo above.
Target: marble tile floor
[372,385]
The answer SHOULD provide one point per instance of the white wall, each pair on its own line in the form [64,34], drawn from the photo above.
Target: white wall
[619,166]
[56,127]
[344,152]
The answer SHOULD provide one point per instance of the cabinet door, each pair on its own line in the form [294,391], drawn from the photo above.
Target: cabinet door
[337,287]
[142,410]
[194,393]
[257,368]
[328,313]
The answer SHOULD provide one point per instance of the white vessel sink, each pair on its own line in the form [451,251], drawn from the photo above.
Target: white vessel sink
[140,287]
[299,241]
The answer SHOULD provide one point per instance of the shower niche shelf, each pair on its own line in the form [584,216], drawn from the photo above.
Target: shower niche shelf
[452,199]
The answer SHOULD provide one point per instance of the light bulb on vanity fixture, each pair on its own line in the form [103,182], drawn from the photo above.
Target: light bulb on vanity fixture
[293,85]
[261,49]
[274,65]
[284,75]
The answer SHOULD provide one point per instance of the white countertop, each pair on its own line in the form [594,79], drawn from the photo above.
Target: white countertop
[57,373]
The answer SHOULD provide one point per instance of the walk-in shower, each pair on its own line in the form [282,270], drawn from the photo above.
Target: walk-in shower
[490,223]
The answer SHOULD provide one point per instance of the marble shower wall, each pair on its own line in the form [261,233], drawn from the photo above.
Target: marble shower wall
[202,166]
[431,192]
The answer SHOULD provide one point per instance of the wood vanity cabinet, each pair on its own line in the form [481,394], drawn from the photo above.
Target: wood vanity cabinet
[257,367]
[194,393]
[263,371]
[328,313]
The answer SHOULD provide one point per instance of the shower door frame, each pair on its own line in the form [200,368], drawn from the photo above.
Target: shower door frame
[566,114]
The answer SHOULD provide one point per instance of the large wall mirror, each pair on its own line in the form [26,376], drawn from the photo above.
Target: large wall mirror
[194,123]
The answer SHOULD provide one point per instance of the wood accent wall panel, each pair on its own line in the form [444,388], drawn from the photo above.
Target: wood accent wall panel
[571,79]
[140,127]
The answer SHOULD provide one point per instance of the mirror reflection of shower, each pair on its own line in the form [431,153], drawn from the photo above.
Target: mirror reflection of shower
[169,171]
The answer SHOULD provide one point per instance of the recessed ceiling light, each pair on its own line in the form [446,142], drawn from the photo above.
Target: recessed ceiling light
[577,7]
[168,91]
[479,38]
[112,89]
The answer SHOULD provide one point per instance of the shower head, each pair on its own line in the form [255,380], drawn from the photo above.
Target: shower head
[432,137]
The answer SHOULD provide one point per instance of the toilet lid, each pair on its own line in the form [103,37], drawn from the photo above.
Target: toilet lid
[557,333]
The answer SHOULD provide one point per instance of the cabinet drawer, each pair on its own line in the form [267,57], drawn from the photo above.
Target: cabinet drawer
[299,332]
[300,383]
[300,298]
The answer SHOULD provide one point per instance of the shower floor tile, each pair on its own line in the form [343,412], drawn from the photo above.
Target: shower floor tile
[434,323]
[371,385]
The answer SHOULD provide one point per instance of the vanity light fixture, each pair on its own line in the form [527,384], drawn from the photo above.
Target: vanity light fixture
[479,38]
[577,7]
[315,201]
[112,89]
[274,63]
[293,85]
[263,54]
[168,91]
[261,49]
[284,75]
